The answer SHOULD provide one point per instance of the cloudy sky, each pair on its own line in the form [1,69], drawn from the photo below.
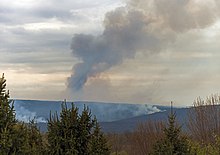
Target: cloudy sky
[133,51]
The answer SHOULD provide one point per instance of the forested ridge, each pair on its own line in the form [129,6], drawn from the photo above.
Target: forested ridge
[74,133]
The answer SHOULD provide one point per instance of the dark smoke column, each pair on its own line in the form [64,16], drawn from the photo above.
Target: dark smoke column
[141,26]
[125,33]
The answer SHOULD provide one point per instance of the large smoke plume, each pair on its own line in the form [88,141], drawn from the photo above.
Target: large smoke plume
[140,26]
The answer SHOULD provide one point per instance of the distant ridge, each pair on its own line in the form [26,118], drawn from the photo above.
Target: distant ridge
[130,124]
[113,117]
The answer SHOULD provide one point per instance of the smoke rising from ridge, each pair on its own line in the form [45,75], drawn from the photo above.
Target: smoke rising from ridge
[27,110]
[140,26]
[25,115]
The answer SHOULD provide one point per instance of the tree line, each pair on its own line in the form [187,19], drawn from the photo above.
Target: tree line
[69,133]
[74,133]
[200,136]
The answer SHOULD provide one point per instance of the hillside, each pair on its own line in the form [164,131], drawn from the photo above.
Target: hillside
[113,117]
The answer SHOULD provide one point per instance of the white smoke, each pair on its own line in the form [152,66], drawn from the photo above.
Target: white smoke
[24,115]
[112,112]
[151,109]
[27,110]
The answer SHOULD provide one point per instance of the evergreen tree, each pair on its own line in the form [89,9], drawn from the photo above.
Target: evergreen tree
[62,132]
[85,125]
[7,119]
[98,143]
[173,143]
[16,137]
[74,134]
[28,139]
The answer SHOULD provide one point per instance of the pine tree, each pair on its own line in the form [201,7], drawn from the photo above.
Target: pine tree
[98,143]
[173,143]
[85,125]
[62,131]
[74,134]
[16,137]
[28,139]
[7,119]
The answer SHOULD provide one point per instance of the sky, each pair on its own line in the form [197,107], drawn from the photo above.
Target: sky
[132,51]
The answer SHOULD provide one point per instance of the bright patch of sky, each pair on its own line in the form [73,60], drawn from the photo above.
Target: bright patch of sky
[179,60]
[35,41]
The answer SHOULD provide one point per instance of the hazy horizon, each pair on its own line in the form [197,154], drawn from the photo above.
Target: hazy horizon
[124,51]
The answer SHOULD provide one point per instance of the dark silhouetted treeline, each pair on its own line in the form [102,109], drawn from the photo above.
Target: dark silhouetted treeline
[202,136]
[74,133]
[69,133]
